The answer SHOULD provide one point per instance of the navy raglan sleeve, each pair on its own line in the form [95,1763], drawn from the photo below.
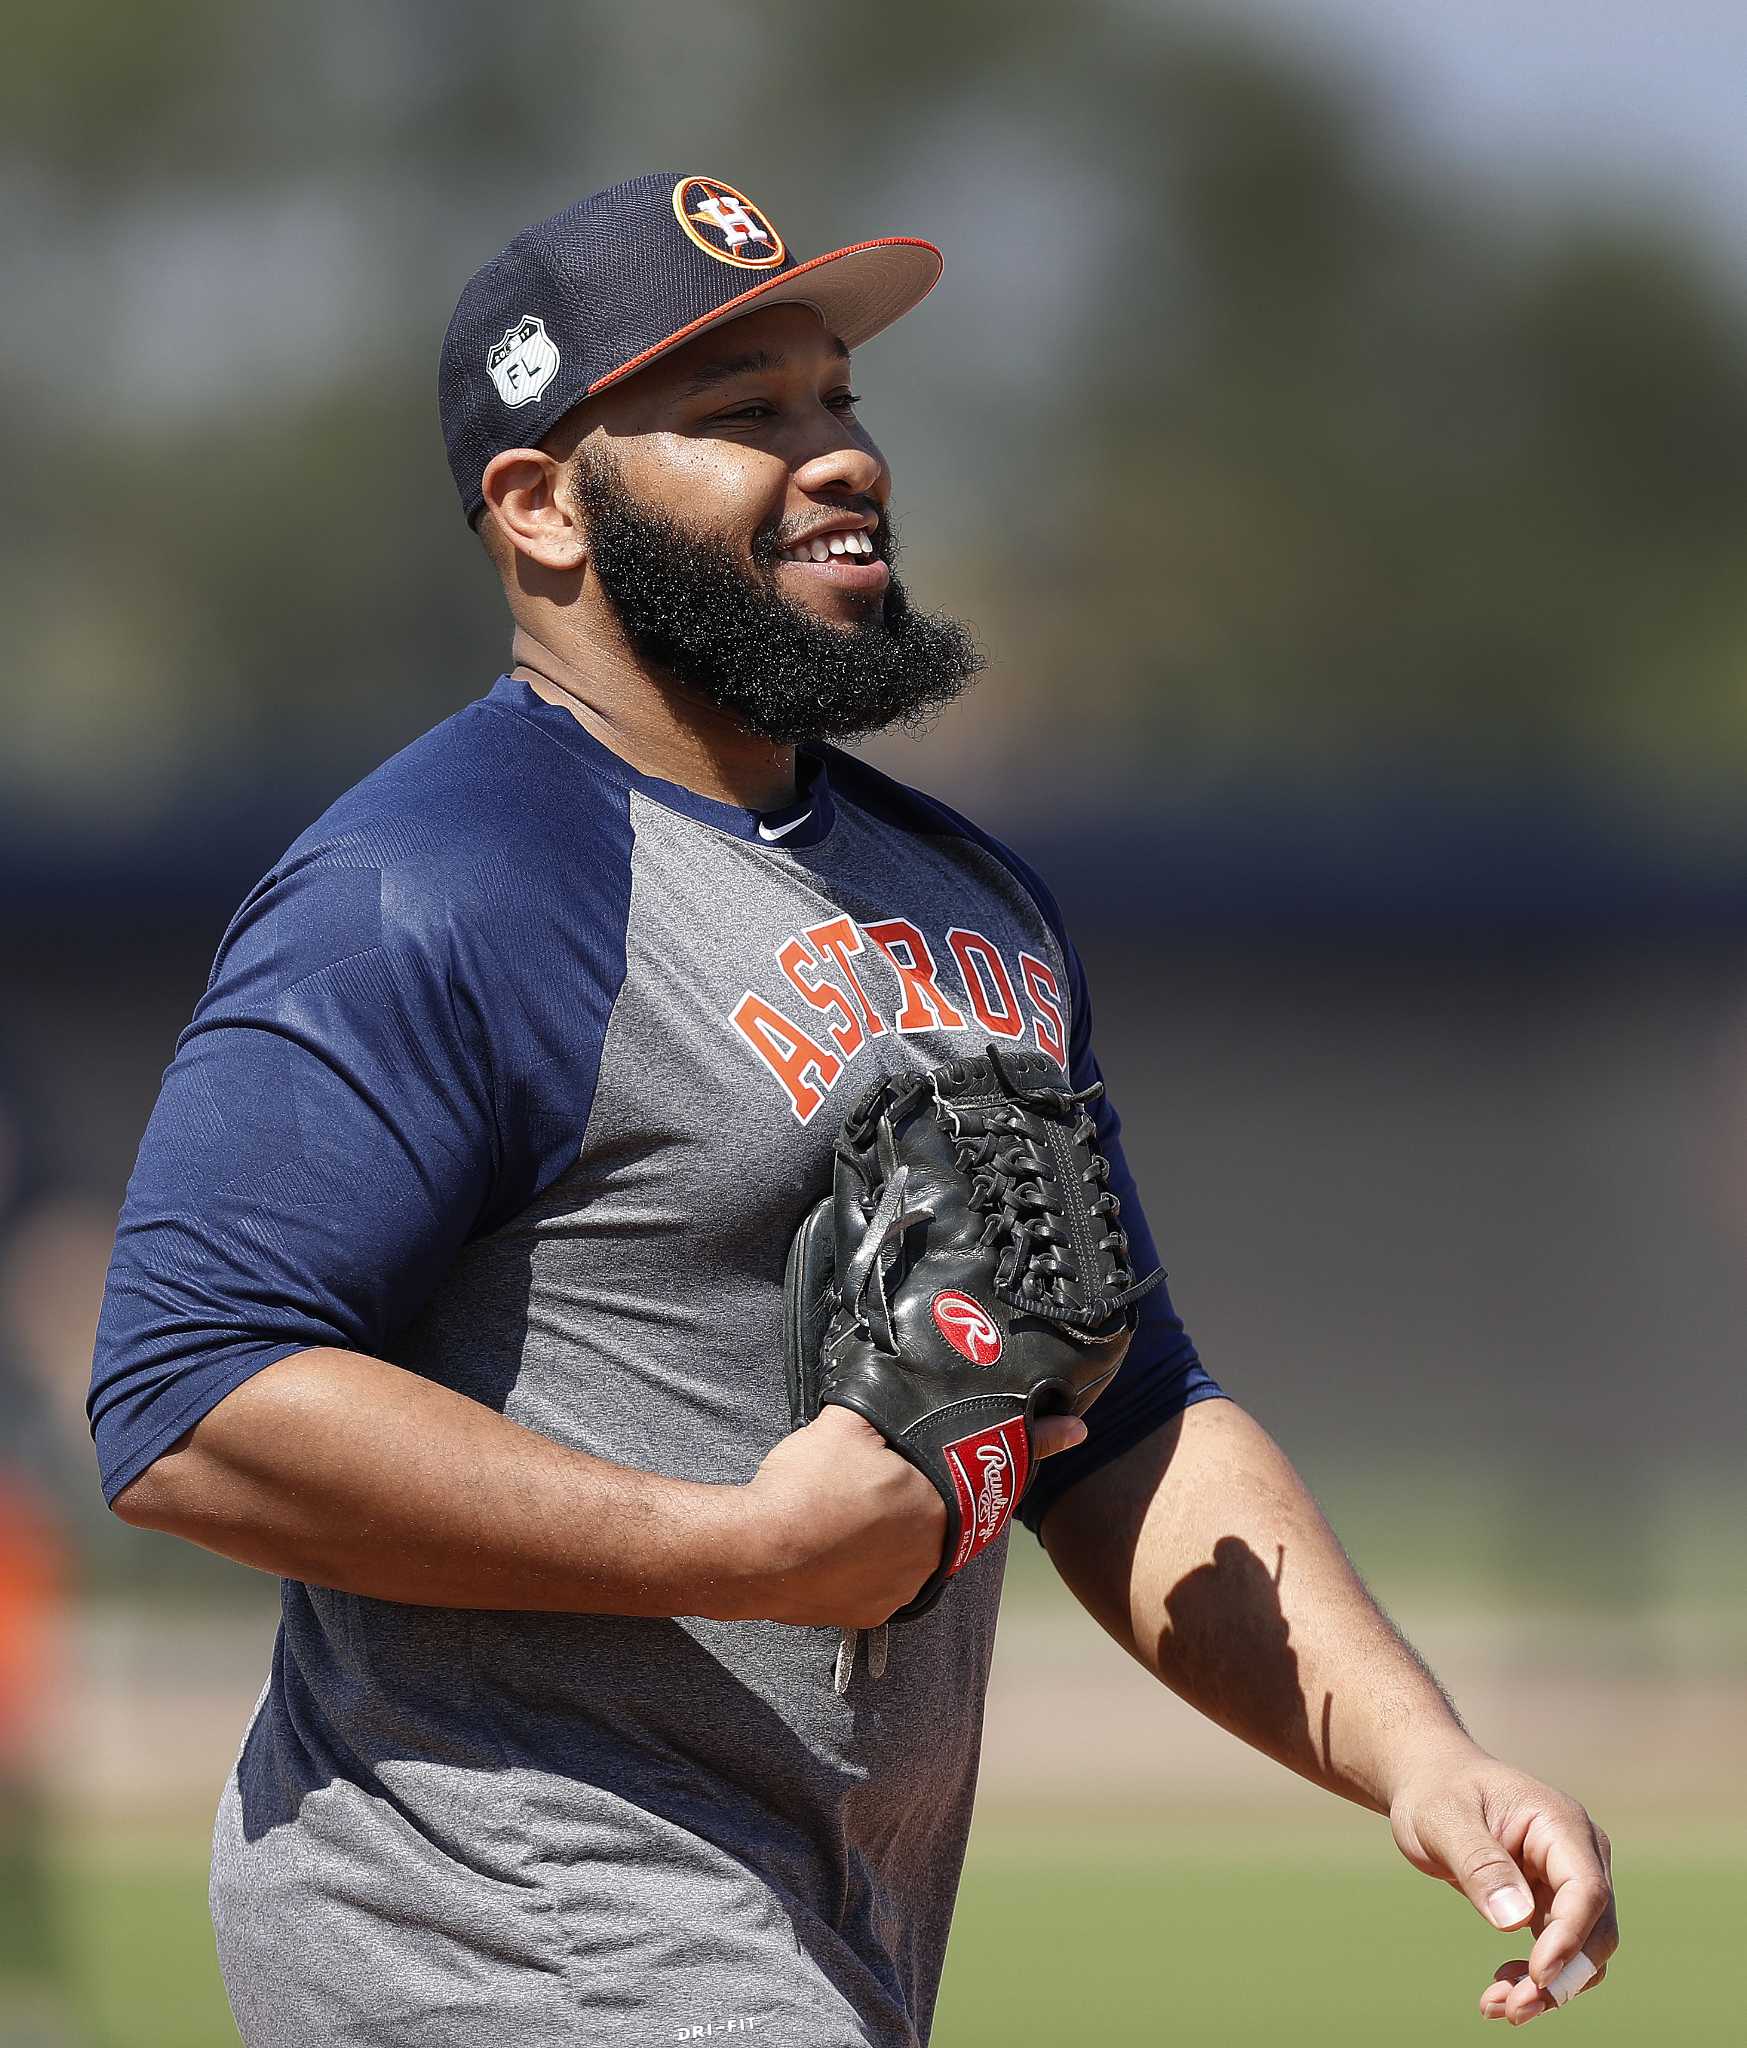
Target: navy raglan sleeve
[1161,1376]
[325,1140]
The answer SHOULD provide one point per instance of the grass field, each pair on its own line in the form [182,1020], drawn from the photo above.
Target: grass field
[1099,1945]
[1093,1940]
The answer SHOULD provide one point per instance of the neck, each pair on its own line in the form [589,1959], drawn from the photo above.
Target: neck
[654,726]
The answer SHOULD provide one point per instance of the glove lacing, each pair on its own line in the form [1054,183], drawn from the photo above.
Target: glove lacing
[1014,1177]
[893,1215]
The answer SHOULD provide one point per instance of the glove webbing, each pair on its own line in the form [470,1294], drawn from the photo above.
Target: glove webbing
[1017,1165]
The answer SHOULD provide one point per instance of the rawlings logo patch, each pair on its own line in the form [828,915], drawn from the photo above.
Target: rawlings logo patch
[725,224]
[988,1470]
[967,1326]
[524,362]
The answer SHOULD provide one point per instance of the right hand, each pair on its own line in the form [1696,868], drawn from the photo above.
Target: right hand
[842,1531]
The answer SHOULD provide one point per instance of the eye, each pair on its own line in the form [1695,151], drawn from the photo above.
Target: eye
[845,401]
[756,411]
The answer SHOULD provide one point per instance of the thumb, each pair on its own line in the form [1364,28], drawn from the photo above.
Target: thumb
[1459,1847]
[1053,1433]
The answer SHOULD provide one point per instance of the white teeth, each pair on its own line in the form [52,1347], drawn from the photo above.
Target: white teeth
[824,547]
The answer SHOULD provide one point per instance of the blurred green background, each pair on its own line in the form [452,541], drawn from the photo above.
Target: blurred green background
[1334,420]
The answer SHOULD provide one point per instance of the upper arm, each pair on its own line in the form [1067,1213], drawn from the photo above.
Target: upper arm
[324,1142]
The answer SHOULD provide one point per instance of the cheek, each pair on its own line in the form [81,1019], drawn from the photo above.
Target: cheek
[716,485]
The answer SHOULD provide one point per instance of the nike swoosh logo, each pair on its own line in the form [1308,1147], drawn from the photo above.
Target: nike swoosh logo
[783,831]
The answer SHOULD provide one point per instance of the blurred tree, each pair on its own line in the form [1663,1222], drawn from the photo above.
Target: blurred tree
[1374,481]
[1283,463]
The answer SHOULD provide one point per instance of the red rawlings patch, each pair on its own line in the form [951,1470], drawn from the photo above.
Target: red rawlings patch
[988,1474]
[967,1326]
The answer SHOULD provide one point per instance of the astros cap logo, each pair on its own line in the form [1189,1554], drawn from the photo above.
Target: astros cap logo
[725,224]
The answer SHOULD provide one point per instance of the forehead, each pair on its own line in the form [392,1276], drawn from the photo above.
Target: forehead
[788,339]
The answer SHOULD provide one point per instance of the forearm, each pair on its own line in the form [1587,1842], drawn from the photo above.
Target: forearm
[1203,1553]
[342,1470]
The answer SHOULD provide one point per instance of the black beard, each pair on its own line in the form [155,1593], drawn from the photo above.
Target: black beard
[691,611]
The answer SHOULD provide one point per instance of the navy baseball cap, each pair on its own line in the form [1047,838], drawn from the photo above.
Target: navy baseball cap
[612,283]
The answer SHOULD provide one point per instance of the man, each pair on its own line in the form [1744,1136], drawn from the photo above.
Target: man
[449,1283]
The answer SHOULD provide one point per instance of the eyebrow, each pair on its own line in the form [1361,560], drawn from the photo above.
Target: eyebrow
[749,364]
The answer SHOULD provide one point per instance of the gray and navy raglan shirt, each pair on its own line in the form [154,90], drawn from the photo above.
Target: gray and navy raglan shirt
[520,1070]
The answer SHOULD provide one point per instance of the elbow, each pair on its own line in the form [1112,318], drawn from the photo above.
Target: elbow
[166,1494]
[144,1503]
[195,1477]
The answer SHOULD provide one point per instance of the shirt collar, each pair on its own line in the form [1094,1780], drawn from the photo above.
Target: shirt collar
[803,821]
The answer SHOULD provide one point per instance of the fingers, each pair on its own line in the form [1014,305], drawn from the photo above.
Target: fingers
[1575,1977]
[1571,1855]
[1495,1997]
[1514,1996]
[1049,1433]
[1570,1858]
[845,1423]
[1053,1433]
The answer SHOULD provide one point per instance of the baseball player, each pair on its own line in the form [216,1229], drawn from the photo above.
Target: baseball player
[450,1283]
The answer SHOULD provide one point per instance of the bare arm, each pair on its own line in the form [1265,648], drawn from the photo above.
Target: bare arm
[345,1471]
[1228,1584]
[1203,1553]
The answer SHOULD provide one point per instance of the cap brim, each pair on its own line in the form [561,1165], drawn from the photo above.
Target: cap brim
[856,292]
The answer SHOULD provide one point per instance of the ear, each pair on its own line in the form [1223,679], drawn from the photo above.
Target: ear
[523,501]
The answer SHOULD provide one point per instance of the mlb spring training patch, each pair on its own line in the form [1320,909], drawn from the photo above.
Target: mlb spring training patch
[467,1091]
[523,362]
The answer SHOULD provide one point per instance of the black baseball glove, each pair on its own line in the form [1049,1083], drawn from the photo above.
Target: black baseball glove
[966,1274]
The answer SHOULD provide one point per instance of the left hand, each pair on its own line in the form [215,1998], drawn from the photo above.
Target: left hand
[1524,1856]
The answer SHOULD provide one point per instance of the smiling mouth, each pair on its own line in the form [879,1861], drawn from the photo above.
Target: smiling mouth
[851,546]
[847,559]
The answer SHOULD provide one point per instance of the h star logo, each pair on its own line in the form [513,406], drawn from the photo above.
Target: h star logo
[731,217]
[725,224]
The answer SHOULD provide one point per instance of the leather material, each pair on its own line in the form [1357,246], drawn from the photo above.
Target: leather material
[967,1273]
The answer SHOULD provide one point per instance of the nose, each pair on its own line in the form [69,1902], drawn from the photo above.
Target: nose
[843,471]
